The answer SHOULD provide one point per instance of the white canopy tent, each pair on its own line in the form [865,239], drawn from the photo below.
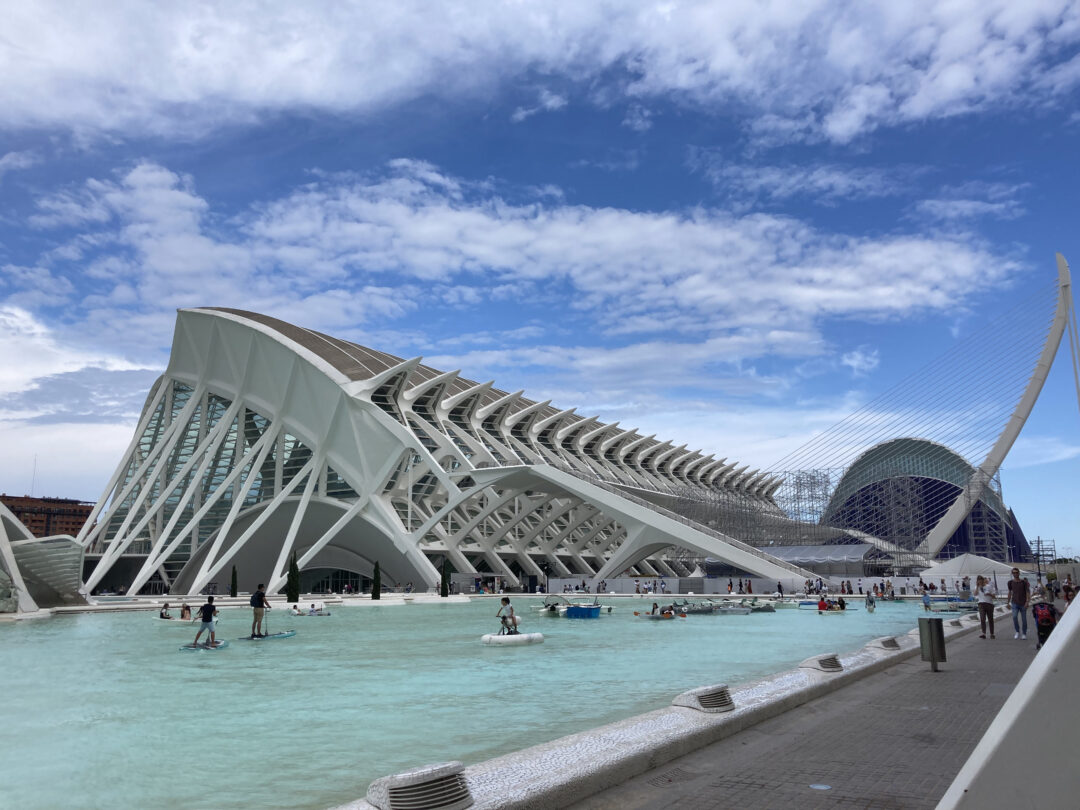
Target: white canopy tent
[969,565]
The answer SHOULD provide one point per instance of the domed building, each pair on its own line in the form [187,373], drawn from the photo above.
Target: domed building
[900,489]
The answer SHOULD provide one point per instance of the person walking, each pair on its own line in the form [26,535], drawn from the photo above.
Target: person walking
[258,606]
[1019,596]
[207,613]
[984,596]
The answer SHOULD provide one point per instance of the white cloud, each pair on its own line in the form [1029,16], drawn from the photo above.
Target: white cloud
[576,373]
[967,209]
[637,118]
[861,361]
[17,160]
[821,182]
[973,200]
[614,160]
[345,250]
[548,102]
[70,460]
[1032,451]
[31,352]
[799,69]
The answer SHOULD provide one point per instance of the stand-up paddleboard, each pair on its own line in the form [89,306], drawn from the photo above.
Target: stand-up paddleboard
[511,640]
[269,636]
[205,645]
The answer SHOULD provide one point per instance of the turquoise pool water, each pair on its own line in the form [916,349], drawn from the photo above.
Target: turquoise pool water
[103,710]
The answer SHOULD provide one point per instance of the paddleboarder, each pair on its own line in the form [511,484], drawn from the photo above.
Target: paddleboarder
[258,606]
[207,612]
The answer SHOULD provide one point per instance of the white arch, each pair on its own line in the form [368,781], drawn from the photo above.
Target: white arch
[980,479]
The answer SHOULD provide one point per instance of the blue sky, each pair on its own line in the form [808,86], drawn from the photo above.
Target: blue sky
[725,223]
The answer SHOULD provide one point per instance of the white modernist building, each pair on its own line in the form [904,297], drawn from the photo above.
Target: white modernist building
[263,440]
[36,572]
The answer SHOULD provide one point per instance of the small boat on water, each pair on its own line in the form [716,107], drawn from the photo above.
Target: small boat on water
[579,608]
[688,607]
[662,616]
[810,604]
[315,609]
[785,604]
[730,609]
[764,606]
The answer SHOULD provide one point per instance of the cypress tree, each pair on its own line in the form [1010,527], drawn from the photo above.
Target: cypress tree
[232,585]
[292,581]
[376,583]
[444,587]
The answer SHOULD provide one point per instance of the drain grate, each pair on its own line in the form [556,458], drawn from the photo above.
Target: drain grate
[715,698]
[444,794]
[671,777]
[720,699]
[824,663]
[432,787]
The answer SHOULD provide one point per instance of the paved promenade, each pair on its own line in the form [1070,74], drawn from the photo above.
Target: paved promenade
[894,740]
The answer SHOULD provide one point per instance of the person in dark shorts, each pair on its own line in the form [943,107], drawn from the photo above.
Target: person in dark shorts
[164,612]
[207,613]
[258,606]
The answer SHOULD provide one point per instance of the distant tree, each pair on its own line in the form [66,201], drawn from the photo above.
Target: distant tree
[444,586]
[1065,561]
[292,581]
[232,584]
[376,583]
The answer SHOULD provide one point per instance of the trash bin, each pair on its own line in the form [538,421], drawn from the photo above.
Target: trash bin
[932,641]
